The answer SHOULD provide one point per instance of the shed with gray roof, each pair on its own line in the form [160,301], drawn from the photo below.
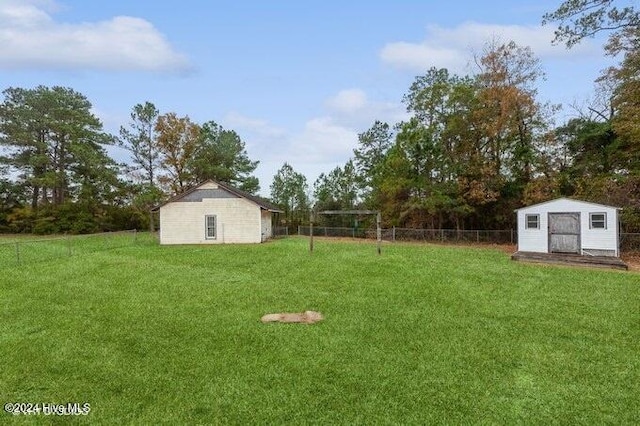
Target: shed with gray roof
[215,213]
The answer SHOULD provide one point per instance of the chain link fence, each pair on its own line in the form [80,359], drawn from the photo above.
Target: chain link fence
[280,231]
[327,231]
[629,242]
[412,234]
[25,250]
[453,235]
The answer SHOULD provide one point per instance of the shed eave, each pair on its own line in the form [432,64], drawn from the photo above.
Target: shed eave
[567,199]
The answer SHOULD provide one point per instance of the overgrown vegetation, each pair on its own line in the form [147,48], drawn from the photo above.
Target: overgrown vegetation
[422,334]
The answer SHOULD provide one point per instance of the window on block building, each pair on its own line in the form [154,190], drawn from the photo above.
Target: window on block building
[210,227]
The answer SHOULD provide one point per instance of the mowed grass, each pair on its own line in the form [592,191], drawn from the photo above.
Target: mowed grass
[17,250]
[422,334]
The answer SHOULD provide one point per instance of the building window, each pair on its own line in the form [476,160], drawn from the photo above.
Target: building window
[598,220]
[210,227]
[532,221]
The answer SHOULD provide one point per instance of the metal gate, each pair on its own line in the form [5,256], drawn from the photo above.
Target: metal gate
[564,233]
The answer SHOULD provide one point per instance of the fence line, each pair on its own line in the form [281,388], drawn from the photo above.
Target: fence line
[628,241]
[417,234]
[23,251]
[328,231]
[280,231]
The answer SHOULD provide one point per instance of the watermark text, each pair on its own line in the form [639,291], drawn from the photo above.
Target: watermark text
[47,408]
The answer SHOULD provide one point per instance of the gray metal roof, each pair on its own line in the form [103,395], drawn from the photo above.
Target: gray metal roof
[196,193]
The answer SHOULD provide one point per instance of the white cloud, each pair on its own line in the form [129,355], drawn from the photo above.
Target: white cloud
[352,108]
[323,142]
[453,48]
[264,142]
[348,101]
[236,121]
[414,56]
[23,14]
[31,38]
[321,145]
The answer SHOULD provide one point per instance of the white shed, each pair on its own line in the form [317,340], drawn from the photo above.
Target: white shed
[569,226]
[215,213]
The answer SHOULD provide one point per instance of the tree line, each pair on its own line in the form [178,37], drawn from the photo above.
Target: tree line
[59,177]
[474,148]
[478,146]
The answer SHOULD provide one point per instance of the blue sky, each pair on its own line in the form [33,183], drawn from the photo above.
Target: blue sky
[298,80]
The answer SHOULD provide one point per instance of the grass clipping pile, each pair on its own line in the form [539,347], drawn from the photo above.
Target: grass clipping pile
[306,317]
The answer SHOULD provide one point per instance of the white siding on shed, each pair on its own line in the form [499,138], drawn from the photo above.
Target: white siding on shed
[535,240]
[593,241]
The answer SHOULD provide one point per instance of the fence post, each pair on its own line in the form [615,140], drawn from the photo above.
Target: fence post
[511,236]
[310,233]
[393,234]
[379,231]
[477,236]
[18,252]
[135,236]
[299,230]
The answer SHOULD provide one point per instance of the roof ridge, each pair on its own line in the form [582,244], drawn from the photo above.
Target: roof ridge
[262,203]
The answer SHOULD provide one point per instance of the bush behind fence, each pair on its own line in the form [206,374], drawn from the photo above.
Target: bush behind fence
[629,242]
[24,250]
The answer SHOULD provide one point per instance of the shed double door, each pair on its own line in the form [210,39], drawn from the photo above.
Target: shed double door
[564,233]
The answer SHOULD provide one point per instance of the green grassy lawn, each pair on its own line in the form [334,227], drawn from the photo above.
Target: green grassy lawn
[422,334]
[21,249]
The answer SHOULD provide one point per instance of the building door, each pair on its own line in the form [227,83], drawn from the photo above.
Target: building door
[564,233]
